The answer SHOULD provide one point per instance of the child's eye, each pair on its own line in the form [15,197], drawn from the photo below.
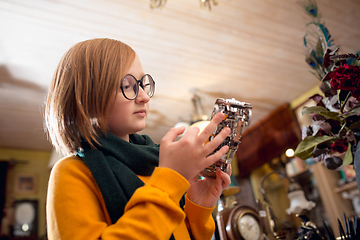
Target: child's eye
[126,85]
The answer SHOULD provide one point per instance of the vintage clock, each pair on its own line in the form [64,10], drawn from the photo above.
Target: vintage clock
[239,223]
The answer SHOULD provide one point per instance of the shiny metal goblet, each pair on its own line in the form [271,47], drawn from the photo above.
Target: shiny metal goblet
[237,116]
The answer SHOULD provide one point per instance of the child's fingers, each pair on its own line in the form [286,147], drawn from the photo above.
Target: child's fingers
[230,170]
[215,142]
[171,135]
[222,179]
[209,129]
[217,155]
[191,132]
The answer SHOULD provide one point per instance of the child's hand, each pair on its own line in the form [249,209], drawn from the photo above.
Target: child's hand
[188,156]
[206,192]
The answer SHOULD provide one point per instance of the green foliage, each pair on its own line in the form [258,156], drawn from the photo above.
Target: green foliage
[322,111]
[306,147]
[348,159]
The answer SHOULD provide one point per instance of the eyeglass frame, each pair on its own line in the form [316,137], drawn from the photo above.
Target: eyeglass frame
[138,82]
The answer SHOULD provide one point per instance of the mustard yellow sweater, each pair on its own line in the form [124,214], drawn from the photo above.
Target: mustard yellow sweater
[76,208]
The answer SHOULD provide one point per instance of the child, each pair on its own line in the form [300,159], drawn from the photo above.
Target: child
[116,184]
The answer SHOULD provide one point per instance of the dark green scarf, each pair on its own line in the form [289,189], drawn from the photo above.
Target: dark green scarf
[115,166]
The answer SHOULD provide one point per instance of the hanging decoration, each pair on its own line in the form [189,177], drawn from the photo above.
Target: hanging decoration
[203,3]
[207,3]
[157,3]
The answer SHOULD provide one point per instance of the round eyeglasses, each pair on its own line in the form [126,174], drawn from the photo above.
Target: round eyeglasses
[130,86]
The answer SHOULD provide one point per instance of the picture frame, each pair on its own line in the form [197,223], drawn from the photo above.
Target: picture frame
[26,183]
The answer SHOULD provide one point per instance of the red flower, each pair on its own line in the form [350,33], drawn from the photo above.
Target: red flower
[356,94]
[346,77]
[339,146]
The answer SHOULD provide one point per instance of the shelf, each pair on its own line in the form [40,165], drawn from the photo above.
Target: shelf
[347,186]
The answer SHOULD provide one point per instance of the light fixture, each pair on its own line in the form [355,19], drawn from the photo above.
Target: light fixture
[157,3]
[201,125]
[198,117]
[290,152]
[25,219]
[182,124]
[207,3]
[296,195]
[198,112]
[203,3]
[298,203]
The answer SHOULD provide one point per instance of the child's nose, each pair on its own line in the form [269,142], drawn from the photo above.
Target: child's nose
[142,96]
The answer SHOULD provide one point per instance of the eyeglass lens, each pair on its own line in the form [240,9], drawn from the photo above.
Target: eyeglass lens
[130,86]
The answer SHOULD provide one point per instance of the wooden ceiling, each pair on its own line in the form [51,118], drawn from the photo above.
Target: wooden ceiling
[250,50]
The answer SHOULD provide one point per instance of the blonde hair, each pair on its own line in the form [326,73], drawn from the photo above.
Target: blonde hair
[83,89]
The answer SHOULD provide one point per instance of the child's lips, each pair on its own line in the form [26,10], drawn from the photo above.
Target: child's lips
[141,113]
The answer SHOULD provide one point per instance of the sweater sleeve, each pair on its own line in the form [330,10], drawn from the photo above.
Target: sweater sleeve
[153,212]
[199,219]
[75,208]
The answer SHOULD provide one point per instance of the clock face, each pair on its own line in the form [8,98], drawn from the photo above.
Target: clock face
[248,227]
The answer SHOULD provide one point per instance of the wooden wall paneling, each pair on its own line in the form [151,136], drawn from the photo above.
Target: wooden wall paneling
[248,50]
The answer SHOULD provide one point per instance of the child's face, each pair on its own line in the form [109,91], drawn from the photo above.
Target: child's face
[128,116]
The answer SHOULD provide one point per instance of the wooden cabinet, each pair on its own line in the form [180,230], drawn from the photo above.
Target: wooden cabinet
[267,139]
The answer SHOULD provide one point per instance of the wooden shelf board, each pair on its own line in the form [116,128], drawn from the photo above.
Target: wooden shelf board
[347,186]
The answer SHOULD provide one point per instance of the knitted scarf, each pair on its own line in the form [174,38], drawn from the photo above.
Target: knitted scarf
[115,165]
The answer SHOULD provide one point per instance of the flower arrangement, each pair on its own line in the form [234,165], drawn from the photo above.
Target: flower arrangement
[335,129]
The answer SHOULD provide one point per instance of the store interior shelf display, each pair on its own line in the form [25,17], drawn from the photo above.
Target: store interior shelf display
[334,192]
